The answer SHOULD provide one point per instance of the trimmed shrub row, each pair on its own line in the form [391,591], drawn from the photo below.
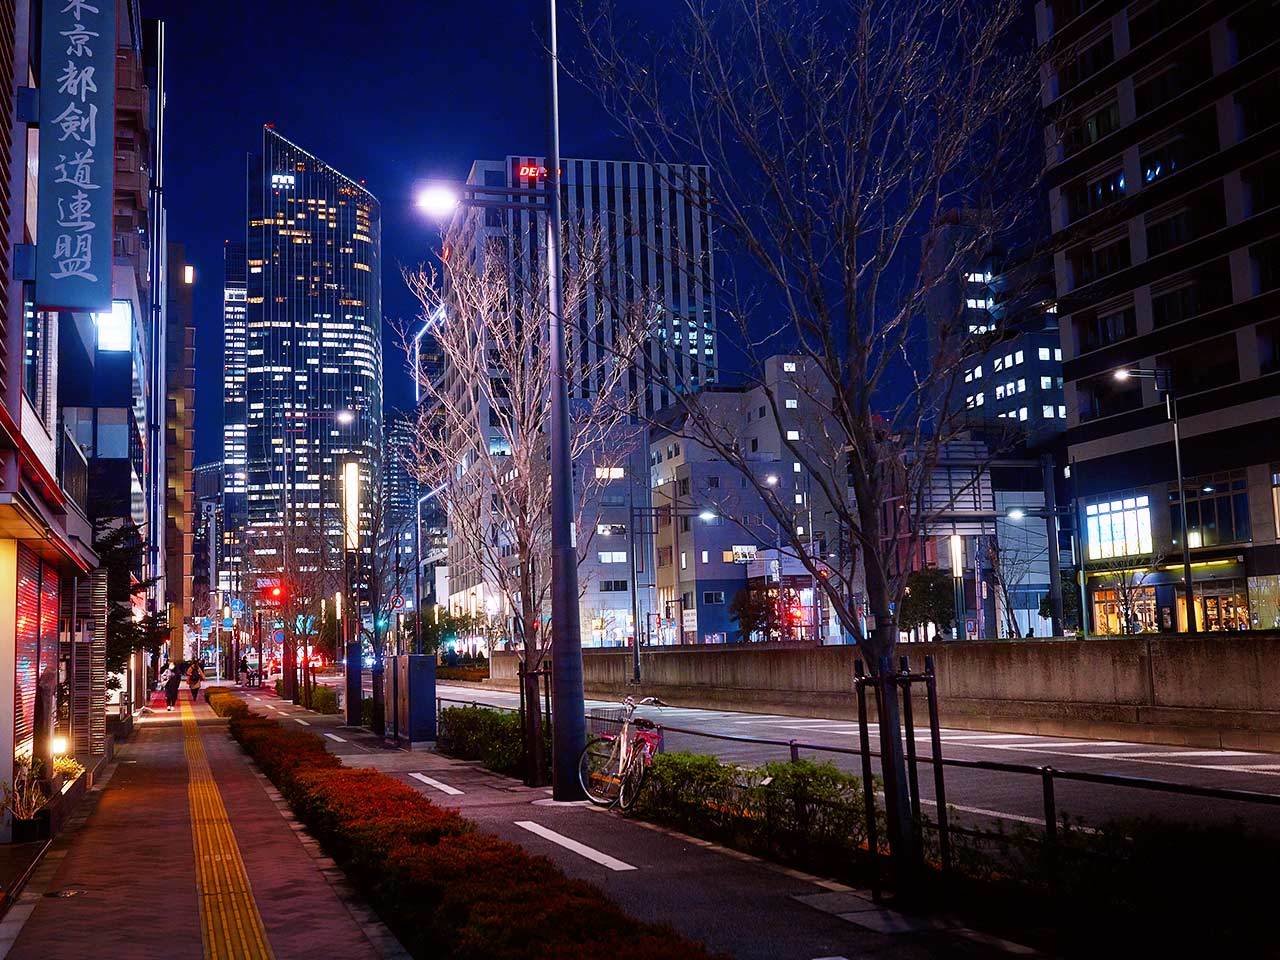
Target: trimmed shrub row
[446,889]
[491,736]
[468,674]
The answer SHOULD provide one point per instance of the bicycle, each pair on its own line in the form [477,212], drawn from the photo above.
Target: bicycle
[611,767]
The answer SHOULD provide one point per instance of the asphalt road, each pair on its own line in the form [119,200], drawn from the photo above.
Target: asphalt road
[986,795]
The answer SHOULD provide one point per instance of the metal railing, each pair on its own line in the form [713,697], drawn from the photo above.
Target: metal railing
[1048,775]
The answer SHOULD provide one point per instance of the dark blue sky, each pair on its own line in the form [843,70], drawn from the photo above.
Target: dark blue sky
[391,92]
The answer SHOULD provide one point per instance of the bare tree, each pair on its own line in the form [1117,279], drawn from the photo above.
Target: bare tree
[839,138]
[306,566]
[384,578]
[1010,567]
[482,436]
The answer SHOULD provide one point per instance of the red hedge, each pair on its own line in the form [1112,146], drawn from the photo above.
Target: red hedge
[447,890]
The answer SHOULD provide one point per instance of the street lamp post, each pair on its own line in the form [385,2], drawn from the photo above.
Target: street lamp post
[1163,380]
[351,615]
[957,582]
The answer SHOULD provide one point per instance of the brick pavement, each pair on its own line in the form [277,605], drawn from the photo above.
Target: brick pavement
[132,875]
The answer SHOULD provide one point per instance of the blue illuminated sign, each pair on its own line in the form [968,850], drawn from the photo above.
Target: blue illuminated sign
[77,155]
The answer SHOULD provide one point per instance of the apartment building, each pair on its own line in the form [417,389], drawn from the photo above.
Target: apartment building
[1162,145]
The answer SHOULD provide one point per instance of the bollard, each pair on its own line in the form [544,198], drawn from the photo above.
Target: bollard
[795,751]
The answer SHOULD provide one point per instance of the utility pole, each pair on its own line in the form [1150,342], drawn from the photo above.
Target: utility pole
[568,722]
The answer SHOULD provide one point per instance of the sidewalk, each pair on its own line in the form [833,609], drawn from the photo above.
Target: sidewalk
[184,854]
[749,909]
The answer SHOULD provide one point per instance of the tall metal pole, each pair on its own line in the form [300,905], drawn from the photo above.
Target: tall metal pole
[1171,407]
[1055,549]
[568,723]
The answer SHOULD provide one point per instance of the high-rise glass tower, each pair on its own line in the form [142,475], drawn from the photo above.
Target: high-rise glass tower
[313,374]
[235,415]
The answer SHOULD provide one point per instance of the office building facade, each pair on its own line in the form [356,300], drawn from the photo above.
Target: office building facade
[179,426]
[235,413]
[1163,154]
[649,225]
[313,346]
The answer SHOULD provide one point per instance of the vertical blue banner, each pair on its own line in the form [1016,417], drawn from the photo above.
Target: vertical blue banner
[77,154]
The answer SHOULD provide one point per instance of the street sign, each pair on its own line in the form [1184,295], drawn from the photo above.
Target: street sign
[971,628]
[397,602]
[277,636]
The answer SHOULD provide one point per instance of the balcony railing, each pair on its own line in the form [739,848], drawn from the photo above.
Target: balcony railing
[73,469]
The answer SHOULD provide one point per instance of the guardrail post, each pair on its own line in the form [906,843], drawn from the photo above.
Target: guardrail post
[939,778]
[913,780]
[1050,806]
[868,789]
[795,750]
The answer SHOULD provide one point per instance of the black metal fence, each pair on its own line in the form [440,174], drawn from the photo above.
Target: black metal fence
[1047,776]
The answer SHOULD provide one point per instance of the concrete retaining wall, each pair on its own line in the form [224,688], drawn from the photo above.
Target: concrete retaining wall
[1211,690]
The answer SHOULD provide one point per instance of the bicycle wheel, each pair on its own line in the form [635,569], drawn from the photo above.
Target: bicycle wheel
[598,770]
[632,780]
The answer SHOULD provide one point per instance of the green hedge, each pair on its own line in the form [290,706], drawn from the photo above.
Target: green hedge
[324,699]
[446,889]
[467,674]
[490,736]
[807,813]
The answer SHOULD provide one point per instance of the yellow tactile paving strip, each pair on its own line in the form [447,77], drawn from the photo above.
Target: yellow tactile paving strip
[230,924]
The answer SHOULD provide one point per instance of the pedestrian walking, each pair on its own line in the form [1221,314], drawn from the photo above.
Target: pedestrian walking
[172,684]
[195,677]
[242,671]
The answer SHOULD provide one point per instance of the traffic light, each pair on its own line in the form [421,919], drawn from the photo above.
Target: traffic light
[272,594]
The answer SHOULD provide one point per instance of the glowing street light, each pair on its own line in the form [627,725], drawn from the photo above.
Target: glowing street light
[1016,513]
[438,201]
[344,417]
[707,516]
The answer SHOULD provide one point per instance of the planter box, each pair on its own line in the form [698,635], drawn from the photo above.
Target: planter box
[34,830]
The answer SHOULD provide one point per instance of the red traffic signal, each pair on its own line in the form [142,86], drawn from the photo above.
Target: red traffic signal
[272,594]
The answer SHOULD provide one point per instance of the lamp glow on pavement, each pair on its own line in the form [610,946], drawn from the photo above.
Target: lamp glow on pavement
[437,201]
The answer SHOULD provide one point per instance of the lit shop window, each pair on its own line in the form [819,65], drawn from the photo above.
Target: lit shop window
[1118,528]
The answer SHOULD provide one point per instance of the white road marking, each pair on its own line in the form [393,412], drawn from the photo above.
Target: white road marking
[581,849]
[984,812]
[335,738]
[442,787]
[1180,753]
[301,721]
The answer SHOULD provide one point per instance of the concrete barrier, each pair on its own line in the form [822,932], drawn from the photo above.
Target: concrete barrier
[1208,690]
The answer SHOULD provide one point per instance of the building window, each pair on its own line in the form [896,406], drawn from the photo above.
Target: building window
[613,586]
[1217,509]
[664,556]
[609,473]
[115,329]
[706,557]
[613,556]
[788,366]
[1043,353]
[684,560]
[713,596]
[1046,411]
[746,552]
[611,529]
[1118,528]
[792,404]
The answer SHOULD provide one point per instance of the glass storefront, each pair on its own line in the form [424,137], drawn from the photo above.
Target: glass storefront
[1125,611]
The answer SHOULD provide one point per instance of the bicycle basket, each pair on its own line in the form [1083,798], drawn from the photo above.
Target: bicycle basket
[606,721]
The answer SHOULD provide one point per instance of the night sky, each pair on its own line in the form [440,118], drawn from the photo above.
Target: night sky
[389,92]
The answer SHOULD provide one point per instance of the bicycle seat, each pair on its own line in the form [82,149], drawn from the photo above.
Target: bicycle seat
[642,724]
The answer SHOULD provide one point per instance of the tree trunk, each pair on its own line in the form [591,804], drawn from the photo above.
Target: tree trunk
[536,768]
[379,720]
[893,764]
